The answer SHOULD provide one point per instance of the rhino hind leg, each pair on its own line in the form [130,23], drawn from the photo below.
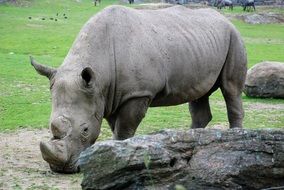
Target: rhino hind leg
[125,122]
[200,112]
[234,109]
[233,79]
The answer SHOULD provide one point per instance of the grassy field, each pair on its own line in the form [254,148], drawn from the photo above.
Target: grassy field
[24,95]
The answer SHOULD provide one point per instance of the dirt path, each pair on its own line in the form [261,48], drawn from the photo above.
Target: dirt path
[22,167]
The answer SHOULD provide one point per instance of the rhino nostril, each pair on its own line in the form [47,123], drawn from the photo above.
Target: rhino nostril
[59,127]
[57,133]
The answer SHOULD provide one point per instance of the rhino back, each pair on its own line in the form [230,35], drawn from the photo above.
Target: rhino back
[172,55]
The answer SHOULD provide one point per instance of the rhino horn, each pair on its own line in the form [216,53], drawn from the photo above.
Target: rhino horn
[42,69]
[54,152]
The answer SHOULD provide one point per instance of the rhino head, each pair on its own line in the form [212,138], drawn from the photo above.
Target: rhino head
[76,115]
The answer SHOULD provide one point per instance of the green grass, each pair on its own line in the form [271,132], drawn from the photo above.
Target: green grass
[263,41]
[24,95]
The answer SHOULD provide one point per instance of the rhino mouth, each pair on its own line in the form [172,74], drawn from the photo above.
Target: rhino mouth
[66,169]
[55,153]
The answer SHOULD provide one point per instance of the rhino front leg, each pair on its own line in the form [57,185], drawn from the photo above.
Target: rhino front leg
[200,112]
[128,117]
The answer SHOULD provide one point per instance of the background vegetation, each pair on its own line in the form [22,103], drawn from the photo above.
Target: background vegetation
[24,95]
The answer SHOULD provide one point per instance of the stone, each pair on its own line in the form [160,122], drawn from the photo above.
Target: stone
[263,18]
[266,80]
[153,6]
[192,159]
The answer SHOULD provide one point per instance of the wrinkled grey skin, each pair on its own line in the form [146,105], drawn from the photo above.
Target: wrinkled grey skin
[124,61]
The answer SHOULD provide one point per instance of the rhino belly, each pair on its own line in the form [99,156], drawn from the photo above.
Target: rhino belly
[190,75]
[179,93]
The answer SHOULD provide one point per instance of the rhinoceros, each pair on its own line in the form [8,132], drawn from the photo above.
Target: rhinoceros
[225,3]
[124,61]
[247,4]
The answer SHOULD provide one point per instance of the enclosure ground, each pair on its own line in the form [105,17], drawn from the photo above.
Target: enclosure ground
[22,166]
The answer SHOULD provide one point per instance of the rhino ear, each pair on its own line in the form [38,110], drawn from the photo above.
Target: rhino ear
[42,69]
[88,76]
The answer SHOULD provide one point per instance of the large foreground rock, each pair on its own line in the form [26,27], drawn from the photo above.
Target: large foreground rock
[265,80]
[195,159]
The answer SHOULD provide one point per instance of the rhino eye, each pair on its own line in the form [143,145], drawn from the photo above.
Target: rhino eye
[85,131]
[84,134]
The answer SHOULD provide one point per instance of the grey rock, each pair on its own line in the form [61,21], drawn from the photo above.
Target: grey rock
[266,80]
[193,159]
[264,18]
[8,1]
[153,6]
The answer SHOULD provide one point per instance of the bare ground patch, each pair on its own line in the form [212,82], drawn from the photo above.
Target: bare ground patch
[153,6]
[22,166]
[263,106]
[35,25]
[256,106]
[262,18]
